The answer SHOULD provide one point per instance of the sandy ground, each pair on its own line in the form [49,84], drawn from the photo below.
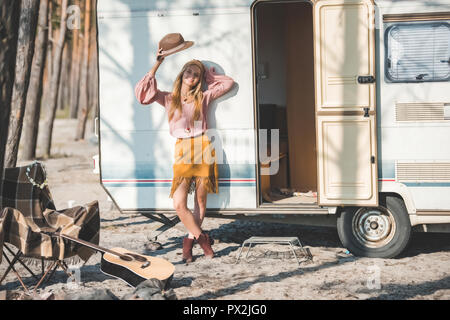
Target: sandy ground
[270,272]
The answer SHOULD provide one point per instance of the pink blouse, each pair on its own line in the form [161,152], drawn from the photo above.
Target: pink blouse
[147,92]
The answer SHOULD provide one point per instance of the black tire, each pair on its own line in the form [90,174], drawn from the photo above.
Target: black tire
[381,232]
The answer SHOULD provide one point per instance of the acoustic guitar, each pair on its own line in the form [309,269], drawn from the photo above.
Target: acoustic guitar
[128,266]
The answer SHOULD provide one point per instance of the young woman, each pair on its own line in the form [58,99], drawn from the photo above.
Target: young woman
[187,108]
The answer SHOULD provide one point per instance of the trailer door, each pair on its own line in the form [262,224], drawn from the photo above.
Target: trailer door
[345,102]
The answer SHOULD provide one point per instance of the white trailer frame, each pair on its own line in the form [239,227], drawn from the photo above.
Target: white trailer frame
[136,148]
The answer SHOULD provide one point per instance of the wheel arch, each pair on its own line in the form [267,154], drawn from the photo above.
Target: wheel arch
[398,190]
[394,189]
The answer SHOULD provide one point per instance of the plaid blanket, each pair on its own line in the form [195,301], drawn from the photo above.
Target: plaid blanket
[27,209]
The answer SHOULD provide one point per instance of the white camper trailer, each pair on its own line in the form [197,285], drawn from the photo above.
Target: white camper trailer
[355,92]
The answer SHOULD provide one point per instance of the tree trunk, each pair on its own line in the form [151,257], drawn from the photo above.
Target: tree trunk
[33,106]
[84,99]
[25,49]
[93,64]
[63,83]
[49,57]
[9,25]
[75,71]
[51,105]
[66,89]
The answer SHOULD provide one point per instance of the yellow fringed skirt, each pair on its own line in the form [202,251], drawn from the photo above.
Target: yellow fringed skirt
[195,163]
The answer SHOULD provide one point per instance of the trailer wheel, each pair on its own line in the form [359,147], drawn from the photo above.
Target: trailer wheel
[379,232]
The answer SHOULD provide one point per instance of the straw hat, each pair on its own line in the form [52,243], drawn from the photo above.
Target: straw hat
[173,43]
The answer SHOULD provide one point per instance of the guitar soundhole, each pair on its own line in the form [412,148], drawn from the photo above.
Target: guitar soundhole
[126,258]
[137,257]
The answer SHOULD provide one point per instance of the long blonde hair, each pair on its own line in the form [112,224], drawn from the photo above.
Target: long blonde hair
[196,92]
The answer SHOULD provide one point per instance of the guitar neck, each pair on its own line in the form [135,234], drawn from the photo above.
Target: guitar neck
[88,244]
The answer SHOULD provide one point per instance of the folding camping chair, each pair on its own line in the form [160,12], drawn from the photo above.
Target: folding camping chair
[46,274]
[27,212]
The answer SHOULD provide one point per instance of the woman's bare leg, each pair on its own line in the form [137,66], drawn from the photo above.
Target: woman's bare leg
[185,215]
[205,242]
[201,195]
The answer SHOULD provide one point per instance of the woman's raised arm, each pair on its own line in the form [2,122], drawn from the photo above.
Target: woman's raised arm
[218,84]
[146,90]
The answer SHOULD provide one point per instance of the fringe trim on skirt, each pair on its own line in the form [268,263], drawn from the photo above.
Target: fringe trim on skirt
[211,184]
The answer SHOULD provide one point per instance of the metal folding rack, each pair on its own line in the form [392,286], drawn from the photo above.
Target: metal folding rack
[291,241]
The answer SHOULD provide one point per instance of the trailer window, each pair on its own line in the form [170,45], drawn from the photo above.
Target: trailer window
[418,52]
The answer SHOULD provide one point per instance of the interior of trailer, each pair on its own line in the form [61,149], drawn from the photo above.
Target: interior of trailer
[284,54]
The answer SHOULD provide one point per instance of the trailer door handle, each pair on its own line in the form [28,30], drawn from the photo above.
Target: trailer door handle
[366,79]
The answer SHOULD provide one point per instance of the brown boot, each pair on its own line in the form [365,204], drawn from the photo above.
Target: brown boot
[187,249]
[211,240]
[205,242]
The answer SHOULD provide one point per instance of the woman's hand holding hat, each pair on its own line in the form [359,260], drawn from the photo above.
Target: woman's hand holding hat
[160,56]
[159,60]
